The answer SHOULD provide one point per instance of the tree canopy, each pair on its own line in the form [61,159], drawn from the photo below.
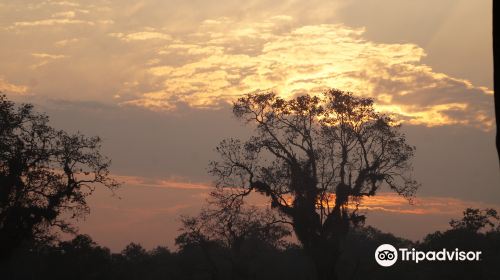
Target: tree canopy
[44,173]
[316,158]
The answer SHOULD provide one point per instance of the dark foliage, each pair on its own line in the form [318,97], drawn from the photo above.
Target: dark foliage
[44,173]
[81,258]
[315,158]
[235,239]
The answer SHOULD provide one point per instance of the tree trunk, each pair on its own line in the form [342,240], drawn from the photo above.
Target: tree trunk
[325,260]
[320,241]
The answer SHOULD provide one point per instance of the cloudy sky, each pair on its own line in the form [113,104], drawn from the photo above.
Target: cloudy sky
[155,79]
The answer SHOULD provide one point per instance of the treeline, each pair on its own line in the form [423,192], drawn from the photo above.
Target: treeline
[46,175]
[82,258]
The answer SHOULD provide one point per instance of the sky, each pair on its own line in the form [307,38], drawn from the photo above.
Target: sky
[155,79]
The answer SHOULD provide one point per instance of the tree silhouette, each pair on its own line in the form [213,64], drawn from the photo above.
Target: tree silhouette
[477,230]
[315,158]
[476,219]
[235,233]
[82,258]
[44,173]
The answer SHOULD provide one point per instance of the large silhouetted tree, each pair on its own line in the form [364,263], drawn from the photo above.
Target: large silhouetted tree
[44,173]
[315,157]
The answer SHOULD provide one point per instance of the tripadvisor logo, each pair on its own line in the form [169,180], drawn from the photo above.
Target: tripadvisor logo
[387,255]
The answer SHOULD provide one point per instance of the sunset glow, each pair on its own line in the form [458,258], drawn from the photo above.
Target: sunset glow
[156,81]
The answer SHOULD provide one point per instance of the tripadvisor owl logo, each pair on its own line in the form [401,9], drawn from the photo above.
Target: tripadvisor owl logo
[387,255]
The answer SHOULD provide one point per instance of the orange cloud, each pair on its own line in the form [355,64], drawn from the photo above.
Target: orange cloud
[382,202]
[149,211]
[172,183]
[6,87]
[421,205]
[141,36]
[51,22]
